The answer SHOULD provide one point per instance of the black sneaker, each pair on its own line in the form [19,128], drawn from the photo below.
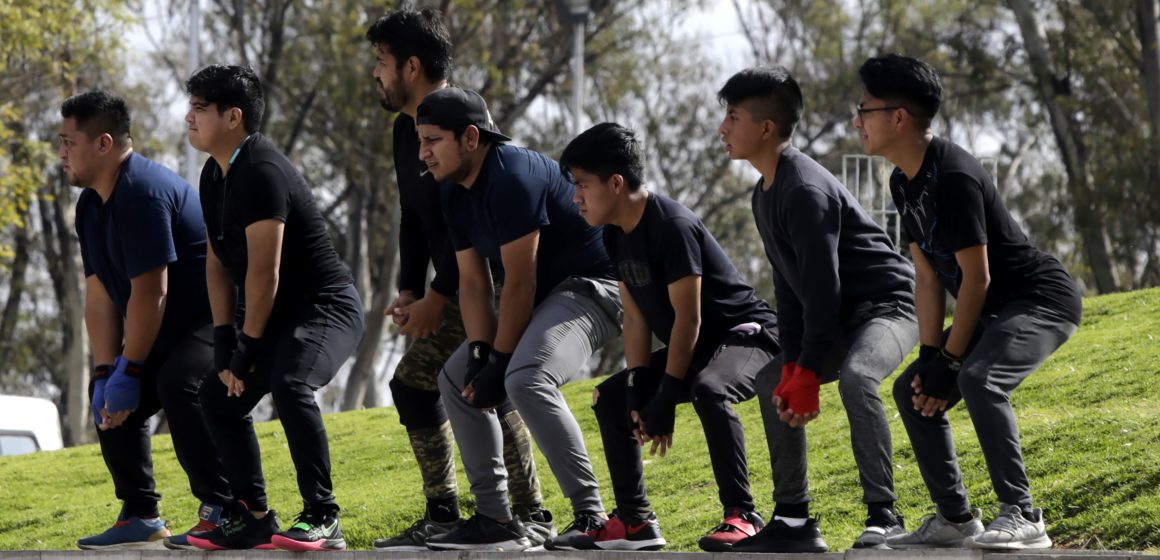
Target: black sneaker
[538,525]
[623,533]
[240,530]
[414,539]
[315,531]
[779,537]
[583,523]
[878,530]
[483,533]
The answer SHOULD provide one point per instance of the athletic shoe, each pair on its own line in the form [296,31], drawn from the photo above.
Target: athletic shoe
[937,531]
[583,523]
[209,517]
[126,534]
[1011,531]
[737,525]
[240,530]
[877,531]
[538,526]
[483,533]
[779,537]
[619,533]
[314,531]
[414,539]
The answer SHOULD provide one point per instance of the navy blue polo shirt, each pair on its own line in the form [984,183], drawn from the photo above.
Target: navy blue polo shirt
[519,191]
[151,219]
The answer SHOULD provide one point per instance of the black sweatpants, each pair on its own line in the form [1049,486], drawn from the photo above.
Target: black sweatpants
[170,382]
[306,346]
[726,379]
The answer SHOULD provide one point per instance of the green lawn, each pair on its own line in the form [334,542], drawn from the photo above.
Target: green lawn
[1091,434]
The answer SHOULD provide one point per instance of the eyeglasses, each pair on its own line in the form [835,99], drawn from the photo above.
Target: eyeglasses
[861,111]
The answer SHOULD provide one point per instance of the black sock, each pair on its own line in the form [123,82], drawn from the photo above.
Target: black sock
[960,518]
[443,511]
[881,514]
[1030,514]
[795,511]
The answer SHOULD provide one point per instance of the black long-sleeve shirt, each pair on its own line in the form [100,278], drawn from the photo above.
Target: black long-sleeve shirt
[423,236]
[828,256]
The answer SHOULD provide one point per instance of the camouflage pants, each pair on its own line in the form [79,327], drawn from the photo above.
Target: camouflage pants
[434,447]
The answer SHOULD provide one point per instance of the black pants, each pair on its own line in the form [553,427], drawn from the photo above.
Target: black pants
[306,346]
[727,378]
[170,382]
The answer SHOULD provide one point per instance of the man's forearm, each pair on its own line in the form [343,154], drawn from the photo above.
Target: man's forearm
[103,324]
[637,342]
[968,307]
[145,313]
[261,288]
[475,303]
[223,296]
[930,300]
[515,312]
[682,341]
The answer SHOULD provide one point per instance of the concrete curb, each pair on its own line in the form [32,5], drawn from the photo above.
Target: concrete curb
[936,554]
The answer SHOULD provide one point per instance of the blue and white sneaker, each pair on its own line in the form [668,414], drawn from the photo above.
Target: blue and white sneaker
[209,518]
[128,533]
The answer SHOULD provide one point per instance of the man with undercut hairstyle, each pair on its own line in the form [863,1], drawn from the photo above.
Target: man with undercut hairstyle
[143,248]
[513,207]
[285,309]
[677,283]
[1014,306]
[414,58]
[844,299]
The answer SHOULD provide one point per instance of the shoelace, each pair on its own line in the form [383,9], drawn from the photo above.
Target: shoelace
[1009,520]
[584,524]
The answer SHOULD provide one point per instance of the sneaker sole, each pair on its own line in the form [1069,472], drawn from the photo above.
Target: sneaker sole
[504,546]
[923,546]
[793,547]
[627,545]
[203,544]
[402,548]
[139,545]
[172,546]
[709,545]
[1038,543]
[283,543]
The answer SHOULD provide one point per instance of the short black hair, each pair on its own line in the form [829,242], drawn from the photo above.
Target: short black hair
[905,80]
[420,34]
[605,150]
[99,112]
[776,95]
[229,87]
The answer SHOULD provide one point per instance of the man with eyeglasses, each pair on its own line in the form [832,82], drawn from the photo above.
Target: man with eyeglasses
[1014,306]
[844,300]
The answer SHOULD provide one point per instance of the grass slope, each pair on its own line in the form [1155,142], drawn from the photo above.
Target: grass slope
[1090,420]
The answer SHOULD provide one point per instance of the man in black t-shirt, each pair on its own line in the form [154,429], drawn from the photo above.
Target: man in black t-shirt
[846,304]
[414,59]
[285,311]
[677,283]
[1014,306]
[142,242]
[513,207]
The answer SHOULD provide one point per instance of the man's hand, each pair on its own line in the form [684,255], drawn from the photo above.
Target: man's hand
[422,317]
[395,310]
[787,371]
[225,340]
[234,386]
[935,383]
[656,422]
[122,392]
[798,403]
[100,378]
[642,383]
[487,389]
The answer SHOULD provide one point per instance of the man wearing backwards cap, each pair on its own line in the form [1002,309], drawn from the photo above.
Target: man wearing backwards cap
[558,304]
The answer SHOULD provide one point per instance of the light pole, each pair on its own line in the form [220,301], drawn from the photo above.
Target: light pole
[192,61]
[575,13]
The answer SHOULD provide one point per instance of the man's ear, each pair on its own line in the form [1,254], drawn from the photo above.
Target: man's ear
[618,183]
[105,143]
[769,130]
[235,118]
[471,137]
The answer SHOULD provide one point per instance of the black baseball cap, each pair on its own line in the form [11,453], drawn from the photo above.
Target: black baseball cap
[454,108]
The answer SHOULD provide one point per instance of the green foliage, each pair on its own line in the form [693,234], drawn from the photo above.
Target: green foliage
[1088,421]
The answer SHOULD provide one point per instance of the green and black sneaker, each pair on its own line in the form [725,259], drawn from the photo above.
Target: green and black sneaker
[314,531]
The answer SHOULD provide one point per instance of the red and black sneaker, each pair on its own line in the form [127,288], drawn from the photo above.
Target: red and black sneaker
[623,533]
[737,525]
[239,530]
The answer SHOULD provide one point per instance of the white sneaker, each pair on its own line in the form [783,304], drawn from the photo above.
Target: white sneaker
[1011,531]
[937,532]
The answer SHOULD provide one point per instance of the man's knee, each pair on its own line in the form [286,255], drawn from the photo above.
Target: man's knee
[417,408]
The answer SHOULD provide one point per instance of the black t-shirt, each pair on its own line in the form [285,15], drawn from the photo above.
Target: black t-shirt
[951,205]
[262,184]
[519,191]
[151,219]
[829,258]
[671,243]
[423,234]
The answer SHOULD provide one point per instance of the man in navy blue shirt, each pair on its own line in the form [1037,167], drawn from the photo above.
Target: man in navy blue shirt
[513,207]
[143,248]
[1014,306]
[677,283]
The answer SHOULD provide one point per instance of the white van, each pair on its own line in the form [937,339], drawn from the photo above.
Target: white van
[28,424]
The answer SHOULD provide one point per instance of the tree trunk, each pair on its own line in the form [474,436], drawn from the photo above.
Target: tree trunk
[15,293]
[1073,152]
[1148,28]
[363,370]
[61,251]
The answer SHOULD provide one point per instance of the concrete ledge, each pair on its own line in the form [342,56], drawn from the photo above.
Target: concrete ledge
[935,554]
